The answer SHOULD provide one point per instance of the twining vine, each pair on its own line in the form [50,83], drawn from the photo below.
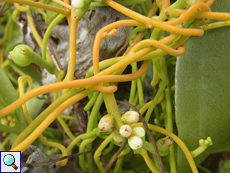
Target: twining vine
[161,28]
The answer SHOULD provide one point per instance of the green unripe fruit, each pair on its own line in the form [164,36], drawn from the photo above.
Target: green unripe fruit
[21,54]
[4,121]
[163,145]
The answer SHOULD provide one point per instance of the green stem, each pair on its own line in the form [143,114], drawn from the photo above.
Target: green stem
[133,84]
[157,115]
[154,102]
[12,78]
[79,13]
[69,117]
[101,4]
[91,125]
[77,140]
[65,127]
[108,150]
[112,108]
[178,4]
[35,58]
[140,91]
[4,142]
[91,101]
[82,149]
[25,53]
[118,165]
[169,119]
[93,116]
[31,127]
[204,169]
[99,150]
[143,8]
[48,31]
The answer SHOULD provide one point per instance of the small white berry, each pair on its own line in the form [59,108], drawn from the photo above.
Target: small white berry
[135,142]
[9,117]
[12,124]
[139,131]
[125,130]
[130,117]
[4,121]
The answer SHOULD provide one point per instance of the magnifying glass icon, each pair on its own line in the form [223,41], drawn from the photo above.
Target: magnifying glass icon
[9,160]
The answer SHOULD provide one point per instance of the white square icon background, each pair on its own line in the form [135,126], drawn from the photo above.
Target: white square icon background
[7,158]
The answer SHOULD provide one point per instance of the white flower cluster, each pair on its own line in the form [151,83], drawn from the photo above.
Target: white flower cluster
[9,120]
[135,140]
[134,135]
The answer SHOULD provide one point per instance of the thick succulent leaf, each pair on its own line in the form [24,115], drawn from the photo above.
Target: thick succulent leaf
[203,91]
[14,36]
[8,94]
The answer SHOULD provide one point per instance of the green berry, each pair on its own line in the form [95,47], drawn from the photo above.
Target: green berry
[20,55]
[4,121]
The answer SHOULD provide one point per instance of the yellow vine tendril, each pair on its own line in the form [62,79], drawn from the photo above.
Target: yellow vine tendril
[169,20]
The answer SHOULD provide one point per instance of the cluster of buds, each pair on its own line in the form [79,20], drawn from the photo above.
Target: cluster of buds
[135,140]
[204,144]
[134,135]
[8,121]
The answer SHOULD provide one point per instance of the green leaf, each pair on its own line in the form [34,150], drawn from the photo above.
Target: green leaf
[14,35]
[203,91]
[8,94]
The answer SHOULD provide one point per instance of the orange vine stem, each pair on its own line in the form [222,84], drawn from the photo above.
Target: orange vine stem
[72,46]
[150,23]
[188,13]
[100,35]
[72,84]
[41,5]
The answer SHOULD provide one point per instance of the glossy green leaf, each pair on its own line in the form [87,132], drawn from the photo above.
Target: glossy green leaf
[203,91]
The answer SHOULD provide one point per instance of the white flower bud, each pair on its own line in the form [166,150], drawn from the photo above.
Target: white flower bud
[9,117]
[117,137]
[78,3]
[139,131]
[135,142]
[130,117]
[106,123]
[4,121]
[12,124]
[125,130]
[13,119]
